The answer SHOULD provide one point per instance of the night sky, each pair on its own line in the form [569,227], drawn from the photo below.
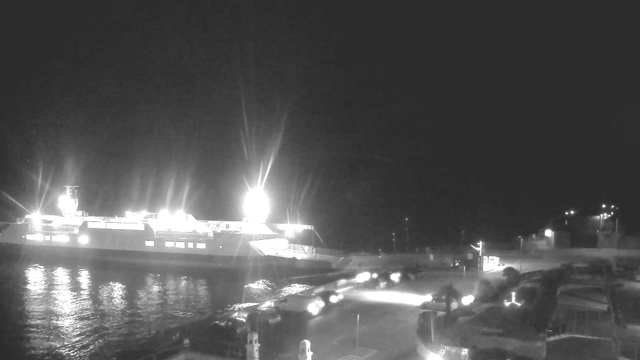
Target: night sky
[491,120]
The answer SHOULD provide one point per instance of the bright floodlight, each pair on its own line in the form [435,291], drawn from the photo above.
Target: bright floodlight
[548,233]
[256,205]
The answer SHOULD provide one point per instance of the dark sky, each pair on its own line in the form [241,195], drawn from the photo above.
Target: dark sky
[492,120]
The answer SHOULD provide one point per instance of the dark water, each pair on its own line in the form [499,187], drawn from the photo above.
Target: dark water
[73,309]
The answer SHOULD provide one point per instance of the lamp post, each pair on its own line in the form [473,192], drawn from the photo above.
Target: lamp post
[406,229]
[521,243]
[568,214]
[394,241]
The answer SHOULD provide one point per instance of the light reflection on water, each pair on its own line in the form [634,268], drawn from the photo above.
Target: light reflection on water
[74,311]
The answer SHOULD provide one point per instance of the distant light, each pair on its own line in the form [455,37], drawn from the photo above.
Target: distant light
[604,206]
[428,298]
[406,219]
[548,233]
[333,299]
[572,212]
[256,205]
[467,300]
[612,207]
[83,239]
[566,213]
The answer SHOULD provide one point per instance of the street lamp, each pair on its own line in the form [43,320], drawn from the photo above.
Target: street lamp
[394,241]
[568,214]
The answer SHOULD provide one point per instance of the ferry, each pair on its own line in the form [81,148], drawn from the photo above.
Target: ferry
[163,237]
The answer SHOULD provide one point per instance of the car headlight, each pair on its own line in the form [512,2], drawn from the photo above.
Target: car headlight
[319,304]
[395,277]
[467,300]
[333,299]
[313,309]
[340,296]
[362,277]
[374,275]
[428,298]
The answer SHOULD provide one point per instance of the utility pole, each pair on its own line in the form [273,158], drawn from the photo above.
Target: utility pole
[480,261]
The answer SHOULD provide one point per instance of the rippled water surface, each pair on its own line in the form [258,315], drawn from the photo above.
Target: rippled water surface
[64,309]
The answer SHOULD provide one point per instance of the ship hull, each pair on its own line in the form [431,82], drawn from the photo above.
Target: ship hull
[140,246]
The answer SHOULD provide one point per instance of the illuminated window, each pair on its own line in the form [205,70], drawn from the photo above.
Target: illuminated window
[169,244]
[60,238]
[36,237]
[190,245]
[201,245]
[149,243]
[180,244]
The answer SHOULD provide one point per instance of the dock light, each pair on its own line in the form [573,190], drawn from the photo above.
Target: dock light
[256,205]
[467,300]
[548,233]
[363,277]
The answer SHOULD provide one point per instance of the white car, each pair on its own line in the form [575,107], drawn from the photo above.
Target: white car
[311,304]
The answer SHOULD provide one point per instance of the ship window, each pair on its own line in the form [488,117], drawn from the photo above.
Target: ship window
[149,243]
[169,244]
[201,246]
[180,244]
[190,245]
[36,237]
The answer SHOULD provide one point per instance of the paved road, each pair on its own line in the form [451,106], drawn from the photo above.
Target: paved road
[387,320]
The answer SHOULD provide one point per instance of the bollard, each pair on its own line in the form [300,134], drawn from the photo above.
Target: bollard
[305,350]
[186,344]
[253,347]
